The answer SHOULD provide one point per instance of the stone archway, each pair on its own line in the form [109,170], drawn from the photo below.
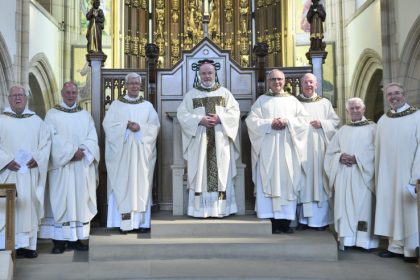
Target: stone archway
[42,84]
[367,83]
[409,70]
[6,73]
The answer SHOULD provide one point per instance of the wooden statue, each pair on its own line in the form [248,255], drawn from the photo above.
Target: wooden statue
[316,16]
[96,19]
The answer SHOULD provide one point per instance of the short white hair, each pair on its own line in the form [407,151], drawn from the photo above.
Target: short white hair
[275,70]
[308,75]
[132,75]
[395,84]
[17,87]
[355,100]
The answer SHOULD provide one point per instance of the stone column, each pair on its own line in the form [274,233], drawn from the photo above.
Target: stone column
[317,59]
[96,62]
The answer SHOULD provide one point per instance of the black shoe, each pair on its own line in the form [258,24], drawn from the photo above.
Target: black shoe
[320,228]
[302,227]
[26,253]
[276,231]
[365,250]
[410,259]
[123,231]
[389,254]
[143,230]
[59,246]
[287,230]
[77,245]
[284,226]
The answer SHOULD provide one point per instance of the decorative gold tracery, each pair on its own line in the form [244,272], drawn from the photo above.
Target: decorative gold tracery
[178,25]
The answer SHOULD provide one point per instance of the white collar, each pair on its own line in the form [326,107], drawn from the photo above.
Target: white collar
[401,109]
[26,111]
[64,105]
[313,96]
[212,85]
[363,119]
[129,98]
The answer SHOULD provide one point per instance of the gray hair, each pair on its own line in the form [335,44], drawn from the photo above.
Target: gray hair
[275,70]
[69,83]
[306,75]
[132,75]
[395,84]
[17,87]
[355,99]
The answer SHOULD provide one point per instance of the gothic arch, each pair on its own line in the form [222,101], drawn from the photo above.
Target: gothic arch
[409,71]
[42,84]
[367,83]
[6,72]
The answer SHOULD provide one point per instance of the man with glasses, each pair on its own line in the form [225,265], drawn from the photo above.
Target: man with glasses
[24,151]
[276,128]
[131,127]
[72,174]
[397,170]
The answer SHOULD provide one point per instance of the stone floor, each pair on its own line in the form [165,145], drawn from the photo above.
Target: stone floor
[351,264]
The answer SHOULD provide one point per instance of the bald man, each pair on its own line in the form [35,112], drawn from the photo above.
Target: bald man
[322,122]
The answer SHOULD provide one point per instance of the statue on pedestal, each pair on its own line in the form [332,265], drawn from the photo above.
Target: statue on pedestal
[316,16]
[96,19]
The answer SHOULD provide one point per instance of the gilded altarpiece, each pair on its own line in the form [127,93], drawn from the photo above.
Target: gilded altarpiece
[271,17]
[178,25]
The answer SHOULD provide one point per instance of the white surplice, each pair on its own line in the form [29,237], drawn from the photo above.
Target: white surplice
[352,186]
[130,161]
[72,184]
[194,139]
[314,194]
[29,133]
[397,165]
[276,165]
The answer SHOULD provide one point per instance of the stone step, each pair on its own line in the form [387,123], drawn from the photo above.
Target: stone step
[6,265]
[73,265]
[304,246]
[166,226]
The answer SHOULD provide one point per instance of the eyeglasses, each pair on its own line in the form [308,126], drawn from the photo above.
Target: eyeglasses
[276,79]
[16,96]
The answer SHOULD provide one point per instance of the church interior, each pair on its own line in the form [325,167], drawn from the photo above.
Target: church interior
[366,45]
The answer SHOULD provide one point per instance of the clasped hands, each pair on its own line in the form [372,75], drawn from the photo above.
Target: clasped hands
[210,120]
[315,124]
[133,126]
[279,124]
[78,155]
[347,159]
[14,166]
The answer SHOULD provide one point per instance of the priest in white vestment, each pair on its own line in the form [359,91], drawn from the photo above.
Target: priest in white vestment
[72,175]
[350,164]
[397,168]
[276,127]
[131,127]
[313,203]
[24,151]
[209,118]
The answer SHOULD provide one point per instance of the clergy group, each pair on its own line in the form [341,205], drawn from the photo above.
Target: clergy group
[308,172]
